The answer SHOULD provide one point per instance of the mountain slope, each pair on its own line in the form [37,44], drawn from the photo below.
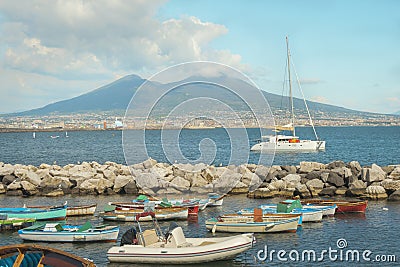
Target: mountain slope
[117,95]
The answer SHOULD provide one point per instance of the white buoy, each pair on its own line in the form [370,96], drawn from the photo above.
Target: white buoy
[34,135]
[385,208]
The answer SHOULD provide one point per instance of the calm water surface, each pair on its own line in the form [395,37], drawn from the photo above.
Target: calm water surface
[376,231]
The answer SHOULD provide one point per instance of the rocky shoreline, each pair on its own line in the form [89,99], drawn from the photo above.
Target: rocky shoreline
[307,180]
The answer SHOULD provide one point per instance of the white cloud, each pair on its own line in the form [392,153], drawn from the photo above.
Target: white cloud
[63,38]
[84,42]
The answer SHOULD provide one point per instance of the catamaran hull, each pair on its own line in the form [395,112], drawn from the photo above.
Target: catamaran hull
[305,145]
[98,236]
[217,249]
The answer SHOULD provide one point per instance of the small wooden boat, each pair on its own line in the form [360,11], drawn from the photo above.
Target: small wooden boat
[265,216]
[44,214]
[153,247]
[20,255]
[72,210]
[7,223]
[342,206]
[129,215]
[327,209]
[244,224]
[192,206]
[81,210]
[55,232]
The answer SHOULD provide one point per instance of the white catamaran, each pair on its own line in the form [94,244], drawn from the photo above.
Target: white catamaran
[292,142]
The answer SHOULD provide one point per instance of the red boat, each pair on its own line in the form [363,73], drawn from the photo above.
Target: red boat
[343,206]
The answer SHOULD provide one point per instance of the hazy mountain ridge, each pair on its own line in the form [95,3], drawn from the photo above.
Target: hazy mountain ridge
[117,95]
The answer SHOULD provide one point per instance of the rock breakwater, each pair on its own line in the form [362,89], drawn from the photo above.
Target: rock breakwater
[307,180]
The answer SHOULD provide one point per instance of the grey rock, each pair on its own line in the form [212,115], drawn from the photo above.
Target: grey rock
[306,167]
[8,179]
[131,188]
[341,191]
[263,193]
[313,175]
[2,189]
[198,181]
[395,174]
[324,177]
[240,188]
[388,169]
[391,185]
[149,163]
[373,174]
[395,196]
[29,188]
[6,169]
[55,193]
[180,183]
[335,164]
[302,191]
[121,181]
[328,191]
[262,172]
[358,185]
[289,169]
[376,192]
[16,185]
[335,179]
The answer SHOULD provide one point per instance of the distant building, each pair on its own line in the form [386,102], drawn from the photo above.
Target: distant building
[118,124]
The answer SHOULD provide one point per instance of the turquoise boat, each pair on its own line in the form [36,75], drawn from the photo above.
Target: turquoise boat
[54,213]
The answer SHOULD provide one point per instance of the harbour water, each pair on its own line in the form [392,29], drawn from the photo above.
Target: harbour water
[376,231]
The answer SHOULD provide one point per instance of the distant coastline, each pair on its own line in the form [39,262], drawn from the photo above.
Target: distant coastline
[30,130]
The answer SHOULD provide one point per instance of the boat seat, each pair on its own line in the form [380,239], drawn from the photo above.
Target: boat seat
[150,237]
[177,239]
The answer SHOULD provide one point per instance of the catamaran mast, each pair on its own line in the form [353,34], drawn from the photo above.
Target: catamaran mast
[290,86]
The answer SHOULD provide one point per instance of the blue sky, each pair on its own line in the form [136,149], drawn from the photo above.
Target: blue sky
[345,52]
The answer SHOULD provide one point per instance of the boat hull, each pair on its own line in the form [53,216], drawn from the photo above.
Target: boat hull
[15,223]
[237,225]
[81,210]
[216,249]
[180,214]
[39,215]
[343,206]
[109,235]
[304,145]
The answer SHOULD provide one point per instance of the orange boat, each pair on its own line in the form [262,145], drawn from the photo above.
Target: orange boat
[342,206]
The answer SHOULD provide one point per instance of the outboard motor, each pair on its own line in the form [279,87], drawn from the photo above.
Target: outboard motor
[129,237]
[171,227]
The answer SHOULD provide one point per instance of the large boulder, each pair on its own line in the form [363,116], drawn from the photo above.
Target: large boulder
[335,180]
[8,179]
[28,188]
[131,188]
[2,189]
[149,163]
[197,181]
[376,192]
[391,185]
[306,167]
[292,178]
[240,188]
[302,191]
[395,174]
[180,183]
[55,193]
[373,174]
[226,182]
[6,169]
[357,188]
[395,196]
[328,191]
[94,185]
[208,173]
[335,164]
[150,182]
[32,177]
[315,186]
[263,193]
[121,181]
[16,185]
[290,169]
[262,172]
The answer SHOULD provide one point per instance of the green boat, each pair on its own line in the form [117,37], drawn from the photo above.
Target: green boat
[54,213]
[14,223]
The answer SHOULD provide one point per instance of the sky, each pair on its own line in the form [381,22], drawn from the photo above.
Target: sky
[346,53]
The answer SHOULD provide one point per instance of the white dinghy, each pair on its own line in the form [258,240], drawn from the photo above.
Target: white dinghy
[151,246]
